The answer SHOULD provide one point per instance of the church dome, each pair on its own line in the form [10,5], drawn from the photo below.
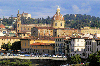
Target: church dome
[58,16]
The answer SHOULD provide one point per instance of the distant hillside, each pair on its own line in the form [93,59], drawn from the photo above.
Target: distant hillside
[79,21]
[73,21]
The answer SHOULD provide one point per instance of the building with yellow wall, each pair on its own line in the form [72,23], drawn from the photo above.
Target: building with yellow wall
[37,46]
[88,30]
[5,40]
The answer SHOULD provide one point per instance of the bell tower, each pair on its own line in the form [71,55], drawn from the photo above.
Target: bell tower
[58,20]
[18,22]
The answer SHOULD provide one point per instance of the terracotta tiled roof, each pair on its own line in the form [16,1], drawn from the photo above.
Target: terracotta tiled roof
[40,44]
[58,17]
[2,26]
[44,27]
[5,37]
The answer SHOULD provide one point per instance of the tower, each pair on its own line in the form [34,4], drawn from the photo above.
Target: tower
[58,20]
[18,22]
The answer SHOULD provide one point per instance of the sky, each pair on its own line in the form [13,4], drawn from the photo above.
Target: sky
[44,8]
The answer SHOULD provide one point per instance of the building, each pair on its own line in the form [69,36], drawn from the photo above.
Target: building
[57,28]
[26,15]
[5,40]
[3,29]
[59,46]
[26,27]
[90,46]
[75,45]
[39,45]
[88,30]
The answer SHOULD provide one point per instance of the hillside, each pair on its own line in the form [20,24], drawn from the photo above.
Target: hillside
[73,21]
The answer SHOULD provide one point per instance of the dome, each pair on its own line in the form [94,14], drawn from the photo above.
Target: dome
[58,17]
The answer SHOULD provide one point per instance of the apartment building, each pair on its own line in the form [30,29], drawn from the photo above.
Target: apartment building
[60,45]
[41,46]
[5,40]
[75,45]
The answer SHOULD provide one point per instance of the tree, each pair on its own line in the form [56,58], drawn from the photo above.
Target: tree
[93,59]
[16,45]
[76,59]
[6,46]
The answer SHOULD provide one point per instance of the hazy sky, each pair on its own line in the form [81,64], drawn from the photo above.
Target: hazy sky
[44,8]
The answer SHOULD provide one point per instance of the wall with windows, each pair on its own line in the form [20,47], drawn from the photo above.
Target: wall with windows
[77,44]
[58,24]
[59,45]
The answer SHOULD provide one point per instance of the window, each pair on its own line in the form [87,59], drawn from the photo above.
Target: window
[77,49]
[60,39]
[88,48]
[25,44]
[24,34]
[86,43]
[28,42]
[18,25]
[25,49]
[90,42]
[97,49]
[81,49]
[56,39]
[58,44]
[55,24]
[61,24]
[77,44]
[48,51]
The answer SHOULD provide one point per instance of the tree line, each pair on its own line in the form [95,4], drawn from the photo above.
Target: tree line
[77,21]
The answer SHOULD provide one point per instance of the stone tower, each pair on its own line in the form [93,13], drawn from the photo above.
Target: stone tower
[58,20]
[18,22]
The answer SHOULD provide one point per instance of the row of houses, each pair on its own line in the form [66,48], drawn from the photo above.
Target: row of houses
[70,46]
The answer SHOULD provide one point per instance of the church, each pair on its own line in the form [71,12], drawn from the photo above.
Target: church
[55,29]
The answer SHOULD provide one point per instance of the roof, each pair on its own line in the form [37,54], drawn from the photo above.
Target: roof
[61,37]
[40,44]
[39,38]
[5,37]
[58,17]
[2,26]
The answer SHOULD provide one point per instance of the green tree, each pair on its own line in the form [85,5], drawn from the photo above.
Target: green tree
[76,59]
